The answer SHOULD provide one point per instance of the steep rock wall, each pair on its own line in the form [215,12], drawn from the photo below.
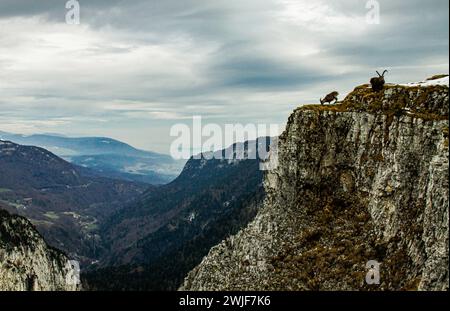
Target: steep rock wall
[27,262]
[363,180]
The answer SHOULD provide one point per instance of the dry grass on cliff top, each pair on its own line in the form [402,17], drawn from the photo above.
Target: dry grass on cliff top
[394,100]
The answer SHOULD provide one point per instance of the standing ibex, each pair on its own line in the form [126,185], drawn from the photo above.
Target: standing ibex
[378,82]
[330,97]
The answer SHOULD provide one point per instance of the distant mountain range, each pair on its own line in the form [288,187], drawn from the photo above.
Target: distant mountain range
[108,157]
[154,242]
[65,202]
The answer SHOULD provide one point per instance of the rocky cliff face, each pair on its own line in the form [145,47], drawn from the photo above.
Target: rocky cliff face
[27,262]
[363,180]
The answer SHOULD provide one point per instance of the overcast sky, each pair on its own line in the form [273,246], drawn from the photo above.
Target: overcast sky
[134,68]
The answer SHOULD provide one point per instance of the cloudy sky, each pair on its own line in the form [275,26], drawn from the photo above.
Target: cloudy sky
[133,68]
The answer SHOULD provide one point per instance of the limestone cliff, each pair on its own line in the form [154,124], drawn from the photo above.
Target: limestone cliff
[363,180]
[27,262]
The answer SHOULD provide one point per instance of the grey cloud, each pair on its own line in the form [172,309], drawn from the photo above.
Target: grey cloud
[54,9]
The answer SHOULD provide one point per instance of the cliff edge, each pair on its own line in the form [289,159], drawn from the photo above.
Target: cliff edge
[363,180]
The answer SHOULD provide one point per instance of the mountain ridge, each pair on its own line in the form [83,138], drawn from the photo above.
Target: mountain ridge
[109,157]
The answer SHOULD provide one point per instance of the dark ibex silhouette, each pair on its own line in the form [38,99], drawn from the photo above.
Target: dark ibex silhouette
[378,82]
[330,97]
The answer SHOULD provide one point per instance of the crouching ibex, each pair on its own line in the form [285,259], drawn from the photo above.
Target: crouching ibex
[378,82]
[330,97]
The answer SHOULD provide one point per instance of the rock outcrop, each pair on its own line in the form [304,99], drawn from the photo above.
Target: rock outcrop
[363,180]
[28,263]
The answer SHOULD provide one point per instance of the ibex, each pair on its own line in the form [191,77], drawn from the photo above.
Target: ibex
[378,82]
[330,97]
